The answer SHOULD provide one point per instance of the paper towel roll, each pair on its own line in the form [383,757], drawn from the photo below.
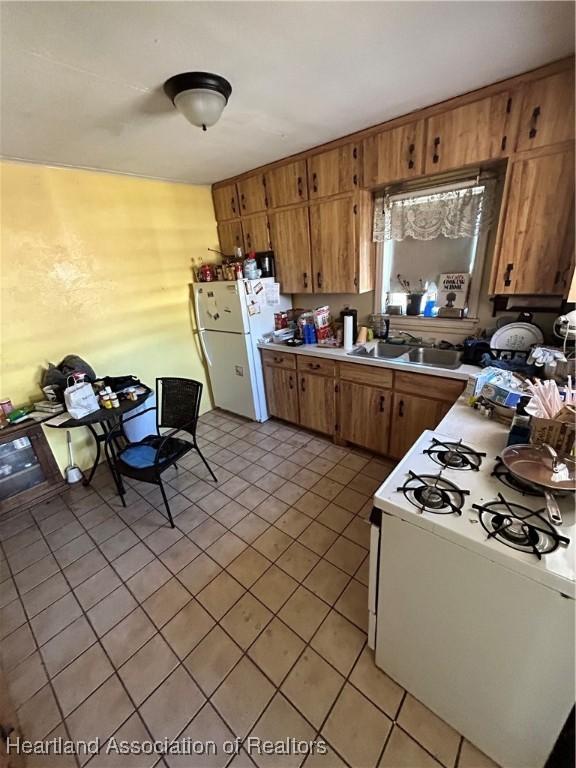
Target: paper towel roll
[348,333]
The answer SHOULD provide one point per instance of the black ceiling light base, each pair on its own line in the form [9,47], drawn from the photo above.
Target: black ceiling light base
[187,81]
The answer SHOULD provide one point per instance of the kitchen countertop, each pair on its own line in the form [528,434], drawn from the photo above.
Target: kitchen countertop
[465,423]
[338,353]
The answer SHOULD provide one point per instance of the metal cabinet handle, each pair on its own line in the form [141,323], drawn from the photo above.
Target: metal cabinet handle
[233,204]
[249,241]
[305,278]
[507,274]
[382,402]
[299,185]
[314,183]
[401,408]
[290,382]
[314,366]
[243,201]
[278,359]
[303,385]
[319,279]
[355,153]
[355,179]
[534,127]
[436,156]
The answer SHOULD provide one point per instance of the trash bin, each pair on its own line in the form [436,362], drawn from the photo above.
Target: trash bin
[140,427]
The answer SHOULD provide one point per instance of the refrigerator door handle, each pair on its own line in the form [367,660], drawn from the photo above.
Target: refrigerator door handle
[204,350]
[200,330]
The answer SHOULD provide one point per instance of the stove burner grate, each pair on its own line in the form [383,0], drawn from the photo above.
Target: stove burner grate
[519,527]
[454,455]
[512,482]
[433,493]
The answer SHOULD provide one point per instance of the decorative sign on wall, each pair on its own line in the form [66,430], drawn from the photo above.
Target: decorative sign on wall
[453,290]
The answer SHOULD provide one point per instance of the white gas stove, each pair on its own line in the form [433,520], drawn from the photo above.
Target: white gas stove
[472,596]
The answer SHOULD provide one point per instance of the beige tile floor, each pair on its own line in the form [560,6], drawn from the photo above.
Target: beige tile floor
[247,619]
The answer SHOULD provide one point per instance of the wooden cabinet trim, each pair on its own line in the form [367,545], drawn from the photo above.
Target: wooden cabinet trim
[366,374]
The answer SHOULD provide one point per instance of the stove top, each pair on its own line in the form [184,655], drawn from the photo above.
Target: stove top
[462,492]
[504,476]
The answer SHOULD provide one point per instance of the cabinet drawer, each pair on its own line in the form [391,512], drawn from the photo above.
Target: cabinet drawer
[279,359]
[365,374]
[316,365]
[429,386]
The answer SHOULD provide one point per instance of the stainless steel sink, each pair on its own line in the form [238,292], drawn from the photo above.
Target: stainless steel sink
[381,350]
[439,358]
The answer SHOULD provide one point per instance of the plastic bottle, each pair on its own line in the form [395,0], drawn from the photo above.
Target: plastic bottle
[430,305]
[520,430]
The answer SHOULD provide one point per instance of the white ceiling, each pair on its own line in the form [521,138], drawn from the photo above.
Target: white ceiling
[81,81]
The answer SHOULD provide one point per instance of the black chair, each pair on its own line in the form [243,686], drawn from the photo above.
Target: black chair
[177,408]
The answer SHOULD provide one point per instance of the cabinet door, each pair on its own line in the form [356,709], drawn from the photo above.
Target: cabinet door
[333,245]
[535,253]
[334,171]
[286,184]
[547,115]
[469,134]
[256,233]
[411,415]
[365,415]
[230,236]
[394,155]
[290,237]
[226,202]
[316,401]
[252,194]
[281,393]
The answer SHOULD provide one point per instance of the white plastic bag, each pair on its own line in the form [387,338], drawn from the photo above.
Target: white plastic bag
[80,399]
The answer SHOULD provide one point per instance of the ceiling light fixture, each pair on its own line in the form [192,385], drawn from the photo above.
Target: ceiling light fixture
[199,96]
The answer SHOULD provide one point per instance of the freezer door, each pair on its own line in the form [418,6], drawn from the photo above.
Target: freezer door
[231,369]
[219,306]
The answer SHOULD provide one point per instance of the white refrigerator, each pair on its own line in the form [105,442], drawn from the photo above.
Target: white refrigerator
[231,318]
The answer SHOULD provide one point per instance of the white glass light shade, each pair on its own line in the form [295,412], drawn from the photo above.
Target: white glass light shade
[200,106]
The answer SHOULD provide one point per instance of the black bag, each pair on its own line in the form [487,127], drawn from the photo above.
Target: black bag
[57,375]
[118,383]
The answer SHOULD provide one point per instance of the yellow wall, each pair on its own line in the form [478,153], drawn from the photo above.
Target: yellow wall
[98,265]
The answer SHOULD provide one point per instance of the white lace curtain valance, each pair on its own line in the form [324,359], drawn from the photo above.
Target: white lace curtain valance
[454,213]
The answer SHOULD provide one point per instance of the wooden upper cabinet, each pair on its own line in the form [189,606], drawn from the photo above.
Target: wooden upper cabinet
[535,247]
[473,133]
[256,233]
[252,194]
[286,184]
[334,171]
[394,155]
[290,239]
[547,115]
[365,415]
[341,245]
[226,204]
[230,236]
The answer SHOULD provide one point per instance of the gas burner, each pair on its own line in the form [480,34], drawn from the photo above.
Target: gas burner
[454,455]
[519,527]
[433,493]
[512,482]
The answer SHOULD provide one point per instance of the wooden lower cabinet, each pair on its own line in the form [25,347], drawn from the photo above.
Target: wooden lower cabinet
[411,415]
[365,415]
[316,400]
[281,393]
